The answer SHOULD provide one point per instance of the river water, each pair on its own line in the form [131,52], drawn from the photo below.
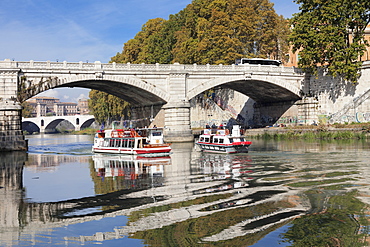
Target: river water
[285,193]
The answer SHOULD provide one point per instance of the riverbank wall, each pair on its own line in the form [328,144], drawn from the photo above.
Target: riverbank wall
[280,130]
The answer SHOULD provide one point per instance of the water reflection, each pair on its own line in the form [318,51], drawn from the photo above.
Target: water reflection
[128,171]
[287,193]
[11,194]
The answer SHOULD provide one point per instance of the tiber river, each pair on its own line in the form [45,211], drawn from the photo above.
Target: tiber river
[279,194]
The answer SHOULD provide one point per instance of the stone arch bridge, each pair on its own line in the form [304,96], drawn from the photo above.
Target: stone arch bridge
[169,86]
[44,123]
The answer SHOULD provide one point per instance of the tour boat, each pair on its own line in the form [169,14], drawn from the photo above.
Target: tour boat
[145,142]
[222,141]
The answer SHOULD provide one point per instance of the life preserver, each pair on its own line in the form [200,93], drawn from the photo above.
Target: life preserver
[132,133]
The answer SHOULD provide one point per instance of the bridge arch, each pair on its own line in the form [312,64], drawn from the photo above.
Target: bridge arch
[259,89]
[53,124]
[130,88]
[30,127]
[43,123]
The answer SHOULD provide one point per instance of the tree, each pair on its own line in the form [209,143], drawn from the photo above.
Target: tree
[330,34]
[214,32]
[147,46]
[107,108]
[26,109]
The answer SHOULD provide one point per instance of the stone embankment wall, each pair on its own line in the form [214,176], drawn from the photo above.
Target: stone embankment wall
[324,100]
[339,101]
[278,130]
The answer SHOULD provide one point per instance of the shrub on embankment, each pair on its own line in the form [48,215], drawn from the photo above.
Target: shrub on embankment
[87,131]
[336,132]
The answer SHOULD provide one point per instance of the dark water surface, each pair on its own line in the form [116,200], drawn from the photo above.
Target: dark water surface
[279,194]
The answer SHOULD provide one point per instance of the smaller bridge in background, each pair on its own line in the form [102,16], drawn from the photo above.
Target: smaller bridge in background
[46,124]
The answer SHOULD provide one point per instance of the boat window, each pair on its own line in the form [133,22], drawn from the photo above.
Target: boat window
[242,139]
[215,140]
[234,140]
[201,139]
[131,143]
[206,139]
[158,133]
[221,140]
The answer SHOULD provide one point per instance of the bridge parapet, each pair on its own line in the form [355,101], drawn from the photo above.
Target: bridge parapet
[146,67]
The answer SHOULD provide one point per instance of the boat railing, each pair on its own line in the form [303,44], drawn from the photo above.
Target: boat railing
[216,131]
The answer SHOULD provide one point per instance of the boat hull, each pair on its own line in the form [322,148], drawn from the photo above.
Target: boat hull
[226,149]
[162,151]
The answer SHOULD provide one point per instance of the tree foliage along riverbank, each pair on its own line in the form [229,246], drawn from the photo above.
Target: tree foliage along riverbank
[107,108]
[331,34]
[214,32]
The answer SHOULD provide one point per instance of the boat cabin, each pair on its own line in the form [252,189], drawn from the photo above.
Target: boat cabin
[130,138]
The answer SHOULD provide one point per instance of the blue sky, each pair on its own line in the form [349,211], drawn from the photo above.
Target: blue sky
[82,30]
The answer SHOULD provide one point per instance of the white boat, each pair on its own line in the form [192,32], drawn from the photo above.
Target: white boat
[222,141]
[145,142]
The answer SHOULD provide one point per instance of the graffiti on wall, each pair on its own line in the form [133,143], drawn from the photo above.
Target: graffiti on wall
[359,117]
[363,117]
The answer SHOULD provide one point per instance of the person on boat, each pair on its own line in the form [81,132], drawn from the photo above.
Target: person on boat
[221,126]
[214,126]
[207,126]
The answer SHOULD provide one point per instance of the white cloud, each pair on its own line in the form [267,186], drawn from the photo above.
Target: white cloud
[50,93]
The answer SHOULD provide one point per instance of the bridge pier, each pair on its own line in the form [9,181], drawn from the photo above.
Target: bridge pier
[11,135]
[177,122]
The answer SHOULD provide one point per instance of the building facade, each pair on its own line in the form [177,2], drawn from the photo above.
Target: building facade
[83,107]
[50,106]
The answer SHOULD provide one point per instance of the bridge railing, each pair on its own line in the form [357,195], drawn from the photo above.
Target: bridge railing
[144,67]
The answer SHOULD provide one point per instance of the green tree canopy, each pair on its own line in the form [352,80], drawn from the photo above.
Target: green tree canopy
[107,108]
[217,31]
[26,109]
[331,34]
